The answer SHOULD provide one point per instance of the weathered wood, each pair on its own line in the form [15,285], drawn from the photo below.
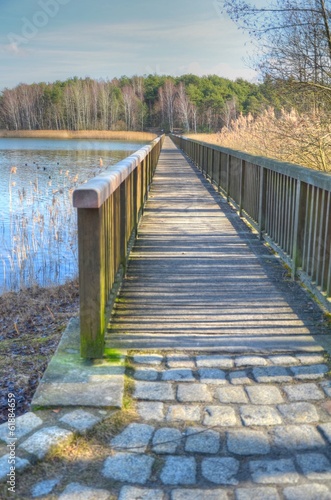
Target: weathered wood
[109,207]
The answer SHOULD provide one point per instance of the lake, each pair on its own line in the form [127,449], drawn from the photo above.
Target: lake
[38,228]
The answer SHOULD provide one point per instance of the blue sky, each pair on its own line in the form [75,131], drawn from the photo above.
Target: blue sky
[48,40]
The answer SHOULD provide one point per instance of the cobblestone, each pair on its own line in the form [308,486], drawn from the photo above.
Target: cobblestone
[148,359]
[220,470]
[295,437]
[135,437]
[248,442]
[80,420]
[264,493]
[132,493]
[179,470]
[146,374]
[310,372]
[283,359]
[303,392]
[231,395]
[274,374]
[128,467]
[251,361]
[297,413]
[223,416]
[76,491]
[180,361]
[240,377]
[183,413]
[274,471]
[178,374]
[150,411]
[259,415]
[200,440]
[190,393]
[154,391]
[166,440]
[40,443]
[198,494]
[309,359]
[307,492]
[212,376]
[326,431]
[264,395]
[23,426]
[214,361]
[315,466]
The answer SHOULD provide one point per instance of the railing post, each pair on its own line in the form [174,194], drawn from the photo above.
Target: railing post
[241,187]
[299,219]
[228,163]
[262,201]
[91,281]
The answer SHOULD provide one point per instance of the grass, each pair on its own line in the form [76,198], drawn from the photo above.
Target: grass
[80,134]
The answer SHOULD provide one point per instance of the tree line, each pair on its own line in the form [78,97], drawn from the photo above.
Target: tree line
[188,102]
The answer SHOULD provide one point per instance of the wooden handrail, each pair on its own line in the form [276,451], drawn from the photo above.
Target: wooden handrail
[109,207]
[289,205]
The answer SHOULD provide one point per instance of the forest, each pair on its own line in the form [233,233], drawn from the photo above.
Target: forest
[188,102]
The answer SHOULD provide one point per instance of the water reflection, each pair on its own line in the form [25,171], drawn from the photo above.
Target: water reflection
[37,221]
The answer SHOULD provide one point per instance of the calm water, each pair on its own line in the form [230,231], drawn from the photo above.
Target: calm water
[38,239]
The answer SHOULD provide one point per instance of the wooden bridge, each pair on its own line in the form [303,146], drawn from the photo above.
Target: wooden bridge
[197,276]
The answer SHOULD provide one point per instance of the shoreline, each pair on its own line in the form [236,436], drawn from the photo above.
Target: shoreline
[78,134]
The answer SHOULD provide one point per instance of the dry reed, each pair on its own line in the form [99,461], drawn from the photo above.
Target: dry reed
[79,134]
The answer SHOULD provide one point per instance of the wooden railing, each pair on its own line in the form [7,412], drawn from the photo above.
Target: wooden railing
[289,205]
[109,208]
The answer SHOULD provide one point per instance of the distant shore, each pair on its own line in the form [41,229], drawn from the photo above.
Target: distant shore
[79,134]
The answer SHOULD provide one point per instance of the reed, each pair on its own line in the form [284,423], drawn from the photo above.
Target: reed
[79,134]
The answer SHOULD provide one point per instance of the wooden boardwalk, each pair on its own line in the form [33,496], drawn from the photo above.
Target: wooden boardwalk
[199,279]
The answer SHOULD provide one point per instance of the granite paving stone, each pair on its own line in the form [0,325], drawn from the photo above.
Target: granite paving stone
[239,377]
[297,413]
[220,470]
[315,466]
[200,440]
[303,392]
[190,393]
[133,493]
[199,494]
[183,413]
[148,359]
[284,360]
[273,374]
[41,442]
[310,372]
[307,492]
[179,471]
[214,361]
[297,437]
[231,395]
[24,424]
[259,415]
[263,493]
[274,471]
[180,361]
[212,376]
[248,442]
[223,416]
[80,420]
[76,491]
[178,374]
[135,438]
[326,386]
[166,440]
[251,361]
[264,394]
[20,465]
[326,431]
[150,411]
[309,359]
[154,391]
[128,467]
[146,374]
[45,487]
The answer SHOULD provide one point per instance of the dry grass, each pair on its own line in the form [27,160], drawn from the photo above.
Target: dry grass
[80,134]
[304,139]
[31,324]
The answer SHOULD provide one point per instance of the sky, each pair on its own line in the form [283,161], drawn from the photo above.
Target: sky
[49,40]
